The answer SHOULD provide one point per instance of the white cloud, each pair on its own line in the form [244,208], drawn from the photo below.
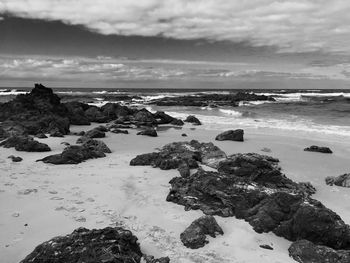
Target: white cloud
[291,25]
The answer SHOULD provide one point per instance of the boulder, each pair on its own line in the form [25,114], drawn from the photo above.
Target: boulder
[144,116]
[231,135]
[117,131]
[97,245]
[305,251]
[25,143]
[76,113]
[192,119]
[319,149]
[177,122]
[15,159]
[95,133]
[94,114]
[148,132]
[56,133]
[97,145]
[341,180]
[41,135]
[194,236]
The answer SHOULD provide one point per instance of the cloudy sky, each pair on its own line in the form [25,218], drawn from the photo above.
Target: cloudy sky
[257,43]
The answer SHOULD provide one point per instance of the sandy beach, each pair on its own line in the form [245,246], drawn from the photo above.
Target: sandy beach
[39,201]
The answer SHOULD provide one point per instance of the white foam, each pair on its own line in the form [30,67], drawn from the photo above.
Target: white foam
[6,92]
[231,112]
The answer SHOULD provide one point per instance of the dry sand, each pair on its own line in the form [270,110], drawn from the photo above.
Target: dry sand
[39,201]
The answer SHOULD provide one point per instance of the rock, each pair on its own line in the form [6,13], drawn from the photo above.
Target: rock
[94,114]
[25,143]
[265,149]
[305,251]
[114,110]
[184,135]
[15,159]
[184,169]
[148,132]
[315,148]
[341,180]
[75,154]
[194,236]
[192,119]
[56,133]
[144,116]
[81,133]
[177,122]
[41,135]
[97,245]
[117,131]
[101,128]
[173,155]
[95,133]
[3,134]
[76,113]
[266,247]
[231,135]
[119,126]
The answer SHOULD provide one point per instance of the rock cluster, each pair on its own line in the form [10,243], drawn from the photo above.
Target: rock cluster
[25,143]
[212,100]
[109,245]
[341,180]
[194,236]
[250,187]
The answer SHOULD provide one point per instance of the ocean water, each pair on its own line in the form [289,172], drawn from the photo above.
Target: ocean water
[315,111]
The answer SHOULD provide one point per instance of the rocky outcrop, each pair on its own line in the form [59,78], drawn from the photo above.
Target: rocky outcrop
[74,154]
[195,235]
[231,135]
[151,132]
[341,180]
[25,143]
[76,113]
[305,251]
[177,154]
[211,100]
[98,245]
[193,119]
[319,149]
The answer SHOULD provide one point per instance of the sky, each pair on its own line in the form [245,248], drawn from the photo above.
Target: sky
[187,43]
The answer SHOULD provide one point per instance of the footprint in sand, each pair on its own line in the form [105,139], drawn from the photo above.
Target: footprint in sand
[53,192]
[56,198]
[27,191]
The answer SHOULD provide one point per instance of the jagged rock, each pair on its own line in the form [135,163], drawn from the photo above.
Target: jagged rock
[194,236]
[75,154]
[341,180]
[94,114]
[177,122]
[25,143]
[231,135]
[15,159]
[148,132]
[266,247]
[305,251]
[76,113]
[117,131]
[95,133]
[3,134]
[101,128]
[192,119]
[175,154]
[115,110]
[41,136]
[144,116]
[319,149]
[56,133]
[184,169]
[109,245]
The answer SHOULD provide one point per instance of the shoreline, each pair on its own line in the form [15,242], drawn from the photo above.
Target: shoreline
[135,196]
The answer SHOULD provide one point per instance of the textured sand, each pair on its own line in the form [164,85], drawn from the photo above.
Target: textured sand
[54,200]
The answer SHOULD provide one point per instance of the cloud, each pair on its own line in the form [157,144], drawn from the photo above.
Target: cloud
[290,25]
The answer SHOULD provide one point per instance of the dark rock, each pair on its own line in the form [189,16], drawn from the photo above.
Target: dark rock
[82,133]
[94,114]
[192,119]
[144,116]
[319,149]
[25,143]
[119,126]
[109,245]
[266,247]
[15,159]
[184,169]
[177,122]
[75,154]
[231,135]
[76,113]
[341,180]
[95,133]
[56,133]
[41,136]
[184,135]
[175,154]
[101,128]
[119,131]
[115,110]
[194,236]
[3,134]
[265,149]
[305,251]
[148,132]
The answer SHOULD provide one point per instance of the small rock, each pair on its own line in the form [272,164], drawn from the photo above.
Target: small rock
[265,149]
[148,132]
[41,136]
[231,135]
[15,158]
[319,149]
[193,119]
[266,247]
[117,131]
[184,135]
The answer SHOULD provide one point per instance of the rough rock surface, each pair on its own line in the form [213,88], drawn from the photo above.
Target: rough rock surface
[231,135]
[75,154]
[174,155]
[341,180]
[148,132]
[319,149]
[118,131]
[15,159]
[108,245]
[305,251]
[194,236]
[25,143]
[95,133]
[193,119]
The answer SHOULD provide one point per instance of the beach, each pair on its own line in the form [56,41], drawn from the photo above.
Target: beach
[40,201]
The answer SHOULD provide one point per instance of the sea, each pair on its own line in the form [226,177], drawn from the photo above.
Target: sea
[325,111]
